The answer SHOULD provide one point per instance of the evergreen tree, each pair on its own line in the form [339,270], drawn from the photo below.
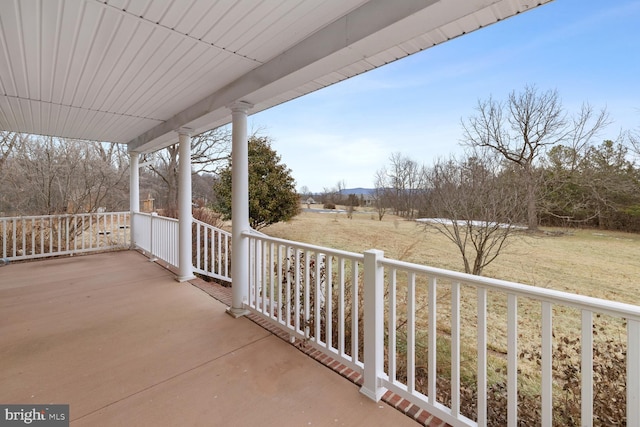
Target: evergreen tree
[272,193]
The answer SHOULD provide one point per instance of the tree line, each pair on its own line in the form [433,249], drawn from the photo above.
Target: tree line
[44,175]
[554,166]
[527,163]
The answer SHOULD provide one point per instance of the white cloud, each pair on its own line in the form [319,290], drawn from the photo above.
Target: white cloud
[348,131]
[321,160]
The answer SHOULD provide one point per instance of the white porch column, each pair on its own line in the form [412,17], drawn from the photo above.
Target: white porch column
[373,325]
[134,193]
[239,208]
[185,263]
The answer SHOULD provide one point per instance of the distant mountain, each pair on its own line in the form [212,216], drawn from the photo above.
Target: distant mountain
[358,191]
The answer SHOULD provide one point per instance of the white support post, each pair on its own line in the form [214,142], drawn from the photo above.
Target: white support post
[373,325]
[134,194]
[586,370]
[185,262]
[512,360]
[633,372]
[546,362]
[482,356]
[239,209]
[152,251]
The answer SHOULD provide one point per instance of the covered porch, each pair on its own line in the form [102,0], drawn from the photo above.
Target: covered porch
[117,338]
[106,328]
[125,344]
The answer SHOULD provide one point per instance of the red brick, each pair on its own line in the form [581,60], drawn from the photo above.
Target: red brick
[437,422]
[353,376]
[403,405]
[395,400]
[424,418]
[413,411]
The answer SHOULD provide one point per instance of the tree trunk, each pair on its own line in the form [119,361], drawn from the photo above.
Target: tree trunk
[532,210]
[172,196]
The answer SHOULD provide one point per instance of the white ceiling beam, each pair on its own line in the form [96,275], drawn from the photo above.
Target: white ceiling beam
[351,28]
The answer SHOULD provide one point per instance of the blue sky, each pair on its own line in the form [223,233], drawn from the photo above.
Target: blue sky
[588,50]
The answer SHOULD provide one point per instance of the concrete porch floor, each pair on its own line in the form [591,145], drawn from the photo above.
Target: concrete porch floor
[119,340]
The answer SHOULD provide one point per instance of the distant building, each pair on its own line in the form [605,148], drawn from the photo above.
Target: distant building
[367,199]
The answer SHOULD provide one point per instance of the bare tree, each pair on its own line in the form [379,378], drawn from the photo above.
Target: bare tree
[8,142]
[474,206]
[339,190]
[405,179]
[209,153]
[305,192]
[49,176]
[164,165]
[633,139]
[202,188]
[333,196]
[381,192]
[521,129]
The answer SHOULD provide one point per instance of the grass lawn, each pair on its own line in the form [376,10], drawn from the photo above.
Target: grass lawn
[596,263]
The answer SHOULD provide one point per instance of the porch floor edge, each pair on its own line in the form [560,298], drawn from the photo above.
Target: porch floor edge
[223,294]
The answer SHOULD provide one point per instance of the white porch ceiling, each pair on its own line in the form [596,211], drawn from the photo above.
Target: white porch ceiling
[134,71]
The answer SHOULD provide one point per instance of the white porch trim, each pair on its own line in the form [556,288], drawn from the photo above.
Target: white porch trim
[239,208]
[134,190]
[185,267]
[373,325]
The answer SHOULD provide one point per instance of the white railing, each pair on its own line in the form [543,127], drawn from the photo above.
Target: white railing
[157,236]
[31,237]
[416,330]
[211,251]
[310,291]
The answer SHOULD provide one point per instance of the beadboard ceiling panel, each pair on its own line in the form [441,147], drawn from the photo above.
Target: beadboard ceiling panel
[134,71]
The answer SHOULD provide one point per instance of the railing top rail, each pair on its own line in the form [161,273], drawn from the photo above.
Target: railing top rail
[324,250]
[22,217]
[150,215]
[592,304]
[220,230]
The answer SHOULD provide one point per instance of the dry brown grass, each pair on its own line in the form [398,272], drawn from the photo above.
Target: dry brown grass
[601,264]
